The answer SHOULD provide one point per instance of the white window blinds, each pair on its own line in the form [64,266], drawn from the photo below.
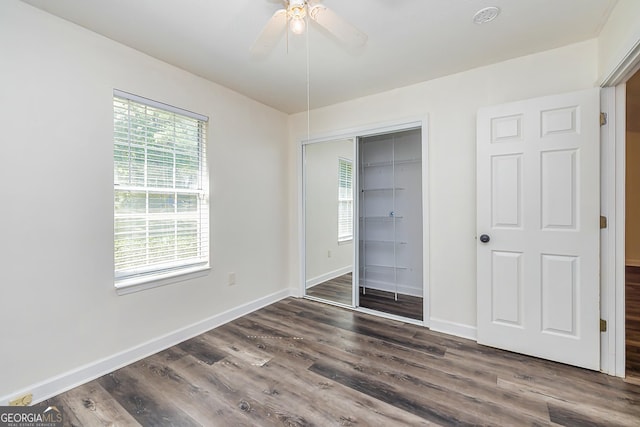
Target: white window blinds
[345,200]
[161,222]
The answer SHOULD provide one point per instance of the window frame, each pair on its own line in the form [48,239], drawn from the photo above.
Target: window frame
[346,238]
[148,276]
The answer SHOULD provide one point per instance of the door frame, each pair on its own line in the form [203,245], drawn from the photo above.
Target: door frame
[612,243]
[421,122]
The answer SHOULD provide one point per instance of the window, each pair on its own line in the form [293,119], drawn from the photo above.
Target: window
[345,200]
[160,190]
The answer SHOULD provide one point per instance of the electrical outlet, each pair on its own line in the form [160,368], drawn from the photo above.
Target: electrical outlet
[24,400]
[232,279]
[329,254]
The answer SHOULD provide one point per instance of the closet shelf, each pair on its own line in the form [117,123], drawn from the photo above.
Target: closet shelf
[381,218]
[386,267]
[390,162]
[383,242]
[367,282]
[364,190]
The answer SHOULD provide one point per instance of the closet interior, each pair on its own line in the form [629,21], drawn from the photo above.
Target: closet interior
[390,255]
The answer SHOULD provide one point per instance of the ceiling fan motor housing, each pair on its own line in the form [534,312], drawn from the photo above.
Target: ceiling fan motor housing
[297,9]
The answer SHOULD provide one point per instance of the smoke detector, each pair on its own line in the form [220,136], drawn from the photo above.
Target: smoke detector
[485,15]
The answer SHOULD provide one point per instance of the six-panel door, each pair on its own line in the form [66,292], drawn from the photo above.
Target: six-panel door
[538,200]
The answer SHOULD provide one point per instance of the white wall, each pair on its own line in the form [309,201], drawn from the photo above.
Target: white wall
[618,36]
[324,255]
[451,103]
[58,307]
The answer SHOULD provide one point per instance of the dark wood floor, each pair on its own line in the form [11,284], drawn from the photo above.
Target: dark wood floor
[340,290]
[302,363]
[405,306]
[632,324]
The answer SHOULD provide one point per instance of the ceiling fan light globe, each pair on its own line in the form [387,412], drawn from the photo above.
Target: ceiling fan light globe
[297,25]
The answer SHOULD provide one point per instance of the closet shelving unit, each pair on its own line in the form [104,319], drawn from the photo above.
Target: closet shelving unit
[380,254]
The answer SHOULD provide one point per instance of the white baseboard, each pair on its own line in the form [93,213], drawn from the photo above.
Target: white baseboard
[328,276]
[390,287]
[452,328]
[68,380]
[632,262]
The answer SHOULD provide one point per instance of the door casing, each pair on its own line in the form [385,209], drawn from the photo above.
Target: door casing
[612,243]
[353,133]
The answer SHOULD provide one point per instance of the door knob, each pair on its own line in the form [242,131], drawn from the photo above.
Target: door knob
[485,238]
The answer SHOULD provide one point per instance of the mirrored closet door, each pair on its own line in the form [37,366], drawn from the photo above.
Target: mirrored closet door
[328,194]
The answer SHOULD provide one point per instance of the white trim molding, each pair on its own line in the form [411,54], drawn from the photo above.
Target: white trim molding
[400,124]
[626,68]
[613,199]
[367,130]
[76,377]
[617,328]
[607,235]
[328,276]
[453,328]
[142,283]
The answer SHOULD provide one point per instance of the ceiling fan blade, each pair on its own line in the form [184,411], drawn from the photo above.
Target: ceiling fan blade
[270,34]
[341,29]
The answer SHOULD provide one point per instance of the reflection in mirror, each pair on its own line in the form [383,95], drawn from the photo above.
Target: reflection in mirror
[328,214]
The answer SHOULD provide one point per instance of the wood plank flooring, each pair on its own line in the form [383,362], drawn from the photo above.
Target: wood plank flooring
[632,324]
[302,363]
[339,290]
[405,306]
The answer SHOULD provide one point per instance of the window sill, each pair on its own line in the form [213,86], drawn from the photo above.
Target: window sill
[130,286]
[345,242]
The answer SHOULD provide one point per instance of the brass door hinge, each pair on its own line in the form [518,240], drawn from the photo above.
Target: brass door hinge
[603,325]
[603,119]
[603,221]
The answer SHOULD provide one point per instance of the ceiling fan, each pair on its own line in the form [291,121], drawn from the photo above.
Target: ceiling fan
[294,13]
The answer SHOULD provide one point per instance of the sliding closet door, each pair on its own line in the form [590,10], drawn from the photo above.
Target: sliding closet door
[329,189]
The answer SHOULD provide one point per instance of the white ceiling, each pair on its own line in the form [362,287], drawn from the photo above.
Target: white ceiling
[409,40]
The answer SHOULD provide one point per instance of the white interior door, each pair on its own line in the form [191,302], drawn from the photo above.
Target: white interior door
[538,202]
